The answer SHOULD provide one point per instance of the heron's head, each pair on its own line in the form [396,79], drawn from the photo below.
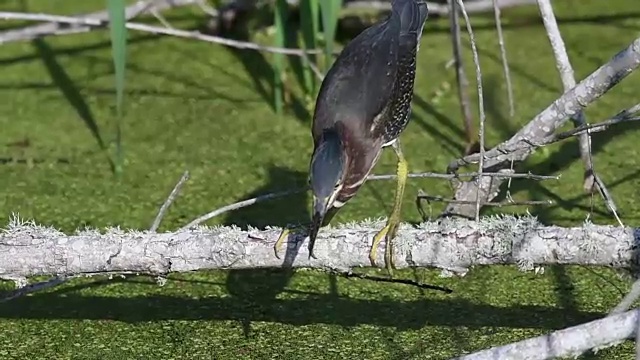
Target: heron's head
[326,176]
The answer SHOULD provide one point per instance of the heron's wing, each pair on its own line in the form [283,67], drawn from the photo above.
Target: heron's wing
[359,85]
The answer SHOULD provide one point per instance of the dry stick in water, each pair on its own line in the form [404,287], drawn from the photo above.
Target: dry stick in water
[89,23]
[568,81]
[503,55]
[170,199]
[461,77]
[60,28]
[565,343]
[476,61]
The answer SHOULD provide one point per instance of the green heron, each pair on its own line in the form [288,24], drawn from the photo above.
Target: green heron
[363,106]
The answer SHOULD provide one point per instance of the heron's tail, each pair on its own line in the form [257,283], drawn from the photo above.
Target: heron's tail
[412,15]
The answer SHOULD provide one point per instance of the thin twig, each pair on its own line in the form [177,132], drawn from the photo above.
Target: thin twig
[461,77]
[59,280]
[503,55]
[31,288]
[202,4]
[438,7]
[170,199]
[476,61]
[97,23]
[55,28]
[270,196]
[313,67]
[161,19]
[349,274]
[471,174]
[524,144]
[619,118]
[421,195]
[563,65]
[568,80]
[238,205]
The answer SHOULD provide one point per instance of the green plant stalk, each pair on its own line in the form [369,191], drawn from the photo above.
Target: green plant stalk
[330,10]
[309,10]
[280,15]
[118,31]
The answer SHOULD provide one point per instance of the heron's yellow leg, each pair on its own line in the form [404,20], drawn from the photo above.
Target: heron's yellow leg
[283,235]
[391,228]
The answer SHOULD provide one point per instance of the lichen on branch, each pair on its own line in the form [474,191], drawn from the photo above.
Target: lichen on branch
[27,249]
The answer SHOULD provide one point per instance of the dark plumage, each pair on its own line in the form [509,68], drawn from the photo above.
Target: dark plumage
[363,105]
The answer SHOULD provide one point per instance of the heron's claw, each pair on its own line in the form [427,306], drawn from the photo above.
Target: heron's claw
[391,228]
[388,233]
[284,235]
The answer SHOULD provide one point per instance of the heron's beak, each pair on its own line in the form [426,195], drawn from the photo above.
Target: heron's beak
[319,210]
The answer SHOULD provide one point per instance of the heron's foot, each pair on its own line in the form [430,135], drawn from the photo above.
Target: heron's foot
[388,233]
[391,228]
[284,235]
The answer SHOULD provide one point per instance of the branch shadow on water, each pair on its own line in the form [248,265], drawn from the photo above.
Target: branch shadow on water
[310,309]
[248,286]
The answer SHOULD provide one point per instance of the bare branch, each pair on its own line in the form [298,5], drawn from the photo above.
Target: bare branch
[172,197]
[628,300]
[447,243]
[544,125]
[142,7]
[314,67]
[569,342]
[503,55]
[621,117]
[461,78]
[270,196]
[60,28]
[473,174]
[161,19]
[568,81]
[96,23]
[476,61]
[439,8]
[238,205]
[555,115]
[422,195]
